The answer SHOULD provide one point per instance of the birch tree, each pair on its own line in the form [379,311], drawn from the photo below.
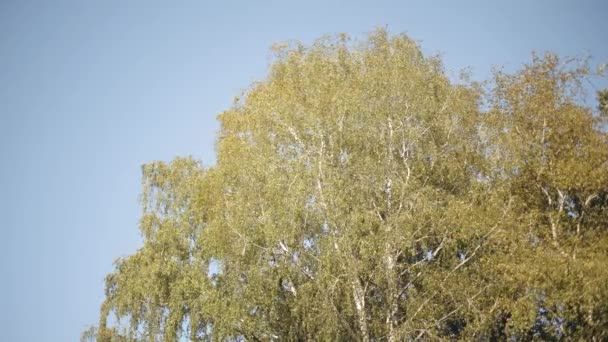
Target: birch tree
[360,194]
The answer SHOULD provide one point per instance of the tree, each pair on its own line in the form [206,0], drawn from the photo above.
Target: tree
[359,194]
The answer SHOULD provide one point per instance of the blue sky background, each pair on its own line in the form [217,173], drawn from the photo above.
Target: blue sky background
[90,90]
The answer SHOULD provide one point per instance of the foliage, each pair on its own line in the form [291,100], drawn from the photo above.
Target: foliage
[602,97]
[359,194]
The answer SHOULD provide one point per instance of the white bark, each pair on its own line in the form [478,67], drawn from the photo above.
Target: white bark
[359,298]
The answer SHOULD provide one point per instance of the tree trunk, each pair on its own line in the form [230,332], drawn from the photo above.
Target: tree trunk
[359,298]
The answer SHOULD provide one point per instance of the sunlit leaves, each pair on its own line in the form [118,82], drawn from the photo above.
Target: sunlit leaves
[360,195]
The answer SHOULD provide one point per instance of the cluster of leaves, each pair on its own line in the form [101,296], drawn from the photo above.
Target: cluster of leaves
[359,194]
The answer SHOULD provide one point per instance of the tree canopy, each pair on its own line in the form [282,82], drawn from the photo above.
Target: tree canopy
[361,194]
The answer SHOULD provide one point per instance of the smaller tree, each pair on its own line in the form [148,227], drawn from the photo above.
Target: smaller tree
[89,335]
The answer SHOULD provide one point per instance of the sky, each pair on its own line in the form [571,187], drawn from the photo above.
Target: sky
[91,90]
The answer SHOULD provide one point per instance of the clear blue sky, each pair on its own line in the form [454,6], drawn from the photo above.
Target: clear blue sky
[90,90]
